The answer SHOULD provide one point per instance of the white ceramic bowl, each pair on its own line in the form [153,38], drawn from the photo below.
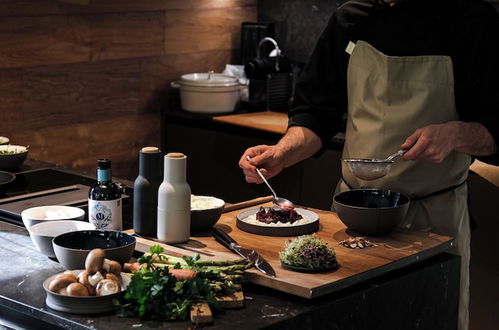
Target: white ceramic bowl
[4,140]
[43,233]
[46,213]
[12,156]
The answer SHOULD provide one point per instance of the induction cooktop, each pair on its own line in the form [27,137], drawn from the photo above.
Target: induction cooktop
[47,186]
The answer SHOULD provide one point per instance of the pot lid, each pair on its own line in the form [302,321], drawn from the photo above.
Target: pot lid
[209,79]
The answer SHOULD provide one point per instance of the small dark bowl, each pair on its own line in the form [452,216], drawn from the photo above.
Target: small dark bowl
[71,248]
[203,219]
[371,212]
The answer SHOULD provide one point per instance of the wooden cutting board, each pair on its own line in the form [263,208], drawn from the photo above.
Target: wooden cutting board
[397,250]
[275,122]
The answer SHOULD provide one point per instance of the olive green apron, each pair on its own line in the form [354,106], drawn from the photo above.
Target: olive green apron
[389,98]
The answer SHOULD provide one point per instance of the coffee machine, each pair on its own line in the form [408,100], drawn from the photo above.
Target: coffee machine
[271,78]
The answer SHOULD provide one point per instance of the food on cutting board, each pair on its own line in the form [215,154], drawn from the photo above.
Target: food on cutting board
[100,277]
[356,243]
[165,287]
[308,252]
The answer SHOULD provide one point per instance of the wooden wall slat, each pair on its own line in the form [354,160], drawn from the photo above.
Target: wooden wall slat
[31,41]
[56,7]
[81,144]
[199,30]
[80,92]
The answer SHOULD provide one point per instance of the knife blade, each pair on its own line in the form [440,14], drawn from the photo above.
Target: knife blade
[260,263]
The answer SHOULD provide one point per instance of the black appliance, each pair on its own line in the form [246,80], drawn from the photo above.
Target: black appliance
[271,78]
[251,34]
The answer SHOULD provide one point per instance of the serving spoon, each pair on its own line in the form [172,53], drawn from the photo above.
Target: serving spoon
[372,169]
[279,201]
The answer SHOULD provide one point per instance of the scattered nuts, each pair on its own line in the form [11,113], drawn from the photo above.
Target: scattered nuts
[356,243]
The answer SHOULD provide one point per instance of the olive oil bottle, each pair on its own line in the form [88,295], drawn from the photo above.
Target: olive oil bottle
[104,200]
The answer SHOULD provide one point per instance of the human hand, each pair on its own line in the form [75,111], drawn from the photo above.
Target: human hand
[269,159]
[432,143]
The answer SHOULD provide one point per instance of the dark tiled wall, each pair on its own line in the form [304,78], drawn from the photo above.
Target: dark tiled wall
[298,23]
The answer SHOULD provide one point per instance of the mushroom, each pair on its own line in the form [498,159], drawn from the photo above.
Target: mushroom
[112,276]
[96,261]
[95,279]
[77,290]
[106,287]
[61,281]
[83,278]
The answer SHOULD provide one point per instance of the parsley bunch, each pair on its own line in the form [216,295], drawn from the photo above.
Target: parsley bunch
[155,294]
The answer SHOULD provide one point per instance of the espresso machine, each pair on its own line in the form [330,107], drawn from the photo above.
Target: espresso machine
[271,78]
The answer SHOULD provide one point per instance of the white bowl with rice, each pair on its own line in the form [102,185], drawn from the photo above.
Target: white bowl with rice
[205,212]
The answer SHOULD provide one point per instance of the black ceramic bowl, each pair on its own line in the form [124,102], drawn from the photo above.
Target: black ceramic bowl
[371,212]
[205,212]
[71,248]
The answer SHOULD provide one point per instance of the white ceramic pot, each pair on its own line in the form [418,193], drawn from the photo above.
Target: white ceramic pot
[208,92]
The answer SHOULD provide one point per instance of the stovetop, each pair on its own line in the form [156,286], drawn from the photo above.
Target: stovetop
[48,186]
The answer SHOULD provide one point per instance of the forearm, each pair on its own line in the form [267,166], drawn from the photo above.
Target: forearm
[473,139]
[297,144]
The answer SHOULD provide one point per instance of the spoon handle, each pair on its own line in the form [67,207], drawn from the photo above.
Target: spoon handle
[397,154]
[263,178]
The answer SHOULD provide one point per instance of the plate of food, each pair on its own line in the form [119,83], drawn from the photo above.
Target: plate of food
[275,221]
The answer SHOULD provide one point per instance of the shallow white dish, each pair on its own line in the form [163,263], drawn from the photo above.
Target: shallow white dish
[4,140]
[82,305]
[43,233]
[310,226]
[46,213]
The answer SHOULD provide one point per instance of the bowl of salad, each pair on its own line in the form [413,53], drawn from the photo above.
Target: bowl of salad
[12,156]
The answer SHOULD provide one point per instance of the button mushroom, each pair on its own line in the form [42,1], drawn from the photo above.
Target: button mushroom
[96,261]
[106,287]
[77,290]
[83,279]
[61,281]
[95,279]
[112,276]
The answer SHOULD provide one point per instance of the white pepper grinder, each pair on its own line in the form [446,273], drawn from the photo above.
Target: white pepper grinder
[174,201]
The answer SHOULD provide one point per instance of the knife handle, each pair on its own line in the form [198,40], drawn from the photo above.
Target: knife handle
[223,238]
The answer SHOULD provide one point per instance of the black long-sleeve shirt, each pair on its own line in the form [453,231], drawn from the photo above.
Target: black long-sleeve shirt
[465,30]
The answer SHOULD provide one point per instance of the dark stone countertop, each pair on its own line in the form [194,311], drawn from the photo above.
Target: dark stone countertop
[425,296]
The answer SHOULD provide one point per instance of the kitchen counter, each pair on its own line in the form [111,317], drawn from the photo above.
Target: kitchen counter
[420,296]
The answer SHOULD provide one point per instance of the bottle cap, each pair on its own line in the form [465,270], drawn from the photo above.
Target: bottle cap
[104,163]
[175,155]
[150,150]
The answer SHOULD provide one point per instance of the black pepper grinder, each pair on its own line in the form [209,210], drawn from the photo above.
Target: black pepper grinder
[145,192]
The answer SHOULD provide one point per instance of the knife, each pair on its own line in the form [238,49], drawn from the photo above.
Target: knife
[260,263]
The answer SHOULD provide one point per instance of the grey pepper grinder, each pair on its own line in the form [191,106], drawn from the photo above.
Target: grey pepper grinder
[145,191]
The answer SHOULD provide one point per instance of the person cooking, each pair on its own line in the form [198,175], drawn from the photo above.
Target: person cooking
[414,74]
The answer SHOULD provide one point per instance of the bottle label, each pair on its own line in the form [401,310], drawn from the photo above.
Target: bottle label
[105,214]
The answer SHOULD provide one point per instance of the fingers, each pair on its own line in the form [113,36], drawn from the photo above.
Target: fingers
[249,166]
[431,143]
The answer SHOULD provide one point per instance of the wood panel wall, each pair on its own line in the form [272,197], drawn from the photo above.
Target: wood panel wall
[85,79]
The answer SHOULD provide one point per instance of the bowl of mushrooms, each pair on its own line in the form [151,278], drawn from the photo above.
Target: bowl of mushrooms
[87,291]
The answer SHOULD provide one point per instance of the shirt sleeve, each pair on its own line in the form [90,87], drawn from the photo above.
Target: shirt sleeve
[480,98]
[320,99]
